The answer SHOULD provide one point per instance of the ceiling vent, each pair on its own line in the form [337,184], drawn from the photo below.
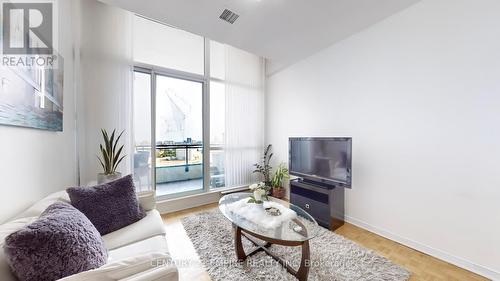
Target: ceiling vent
[229,16]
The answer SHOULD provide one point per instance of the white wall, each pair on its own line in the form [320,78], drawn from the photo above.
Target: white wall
[420,95]
[94,42]
[35,163]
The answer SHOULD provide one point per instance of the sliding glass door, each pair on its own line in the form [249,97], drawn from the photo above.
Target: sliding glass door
[179,136]
[168,132]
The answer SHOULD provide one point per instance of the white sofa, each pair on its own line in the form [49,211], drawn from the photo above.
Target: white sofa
[137,252]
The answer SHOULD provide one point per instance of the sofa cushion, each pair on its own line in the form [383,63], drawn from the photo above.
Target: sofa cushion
[146,267]
[108,206]
[157,243]
[149,226]
[61,242]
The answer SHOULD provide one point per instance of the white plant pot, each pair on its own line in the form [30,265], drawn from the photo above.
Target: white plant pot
[257,195]
[103,178]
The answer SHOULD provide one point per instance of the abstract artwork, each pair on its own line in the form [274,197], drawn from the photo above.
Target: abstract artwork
[32,97]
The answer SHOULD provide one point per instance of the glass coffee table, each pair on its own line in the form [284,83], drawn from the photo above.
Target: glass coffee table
[294,232]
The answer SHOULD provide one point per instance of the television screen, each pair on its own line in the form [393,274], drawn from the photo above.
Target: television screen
[323,159]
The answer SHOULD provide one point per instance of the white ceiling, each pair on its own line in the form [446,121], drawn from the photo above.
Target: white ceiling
[283,31]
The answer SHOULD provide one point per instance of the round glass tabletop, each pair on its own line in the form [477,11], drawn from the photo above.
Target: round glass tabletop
[294,225]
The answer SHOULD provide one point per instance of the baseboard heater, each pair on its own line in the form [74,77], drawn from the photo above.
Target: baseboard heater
[234,190]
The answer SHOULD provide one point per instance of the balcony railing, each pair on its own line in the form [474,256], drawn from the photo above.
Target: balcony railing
[175,148]
[176,164]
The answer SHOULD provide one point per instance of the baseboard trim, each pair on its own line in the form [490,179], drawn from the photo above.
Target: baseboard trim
[460,262]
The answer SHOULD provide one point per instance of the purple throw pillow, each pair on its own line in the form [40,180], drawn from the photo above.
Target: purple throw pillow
[108,206]
[61,242]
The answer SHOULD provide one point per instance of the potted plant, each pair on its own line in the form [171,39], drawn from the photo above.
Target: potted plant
[110,157]
[279,176]
[265,168]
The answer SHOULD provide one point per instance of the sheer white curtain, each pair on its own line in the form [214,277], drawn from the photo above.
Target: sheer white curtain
[244,118]
[105,85]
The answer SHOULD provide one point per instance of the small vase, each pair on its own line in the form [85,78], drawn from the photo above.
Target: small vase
[257,195]
[278,192]
[103,178]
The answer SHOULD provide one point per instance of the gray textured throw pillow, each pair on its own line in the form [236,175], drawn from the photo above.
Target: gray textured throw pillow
[61,242]
[108,206]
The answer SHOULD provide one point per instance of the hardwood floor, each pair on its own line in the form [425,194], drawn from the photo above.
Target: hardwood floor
[181,248]
[422,266]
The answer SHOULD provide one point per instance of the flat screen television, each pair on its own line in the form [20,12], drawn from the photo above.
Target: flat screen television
[325,160]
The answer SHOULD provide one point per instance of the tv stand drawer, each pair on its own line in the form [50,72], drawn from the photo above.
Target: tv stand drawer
[319,209]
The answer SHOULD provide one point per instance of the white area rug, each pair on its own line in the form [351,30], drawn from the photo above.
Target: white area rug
[257,214]
[333,257]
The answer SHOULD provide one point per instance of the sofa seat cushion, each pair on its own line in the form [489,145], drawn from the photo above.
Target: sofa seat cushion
[61,242]
[151,225]
[147,267]
[154,244]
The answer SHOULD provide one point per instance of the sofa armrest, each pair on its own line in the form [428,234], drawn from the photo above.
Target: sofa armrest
[147,200]
[152,266]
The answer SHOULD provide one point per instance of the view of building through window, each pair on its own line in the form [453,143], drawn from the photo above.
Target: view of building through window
[179,135]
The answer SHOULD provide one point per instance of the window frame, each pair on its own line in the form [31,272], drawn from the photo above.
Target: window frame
[204,79]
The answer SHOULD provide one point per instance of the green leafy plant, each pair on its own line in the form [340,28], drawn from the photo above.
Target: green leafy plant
[264,168]
[110,155]
[280,174]
[165,153]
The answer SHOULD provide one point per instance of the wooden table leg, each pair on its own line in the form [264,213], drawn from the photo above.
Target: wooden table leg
[249,237]
[305,263]
[301,274]
[238,245]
